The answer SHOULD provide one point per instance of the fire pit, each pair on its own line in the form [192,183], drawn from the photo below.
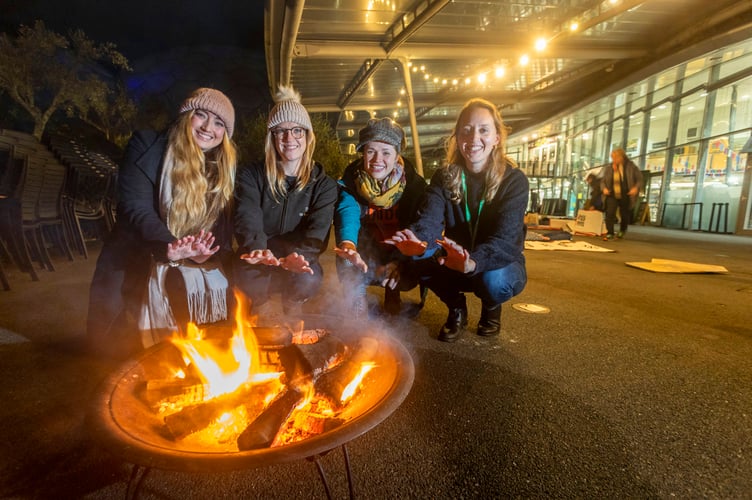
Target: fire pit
[134,412]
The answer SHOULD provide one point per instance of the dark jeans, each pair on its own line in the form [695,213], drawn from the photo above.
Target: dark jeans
[493,287]
[625,212]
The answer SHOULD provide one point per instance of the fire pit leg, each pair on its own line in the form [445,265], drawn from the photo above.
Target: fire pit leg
[322,474]
[132,495]
[349,471]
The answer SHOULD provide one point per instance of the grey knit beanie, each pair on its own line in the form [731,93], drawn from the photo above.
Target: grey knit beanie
[212,100]
[383,130]
[288,109]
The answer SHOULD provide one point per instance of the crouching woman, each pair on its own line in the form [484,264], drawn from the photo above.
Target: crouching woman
[478,201]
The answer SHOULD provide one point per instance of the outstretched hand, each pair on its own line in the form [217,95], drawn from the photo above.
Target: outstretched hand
[295,263]
[265,257]
[352,255]
[407,243]
[197,247]
[457,258]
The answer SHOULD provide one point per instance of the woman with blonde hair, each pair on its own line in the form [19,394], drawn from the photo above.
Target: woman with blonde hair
[284,209]
[471,223]
[162,266]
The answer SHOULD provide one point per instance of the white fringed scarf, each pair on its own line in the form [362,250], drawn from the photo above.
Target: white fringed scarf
[205,283]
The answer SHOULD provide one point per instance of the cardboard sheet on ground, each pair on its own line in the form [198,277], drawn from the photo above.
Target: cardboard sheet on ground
[580,246]
[676,266]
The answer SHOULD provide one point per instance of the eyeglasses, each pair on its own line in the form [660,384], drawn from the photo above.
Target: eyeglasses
[296,132]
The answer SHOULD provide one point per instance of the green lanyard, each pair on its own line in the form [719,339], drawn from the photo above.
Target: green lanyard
[473,227]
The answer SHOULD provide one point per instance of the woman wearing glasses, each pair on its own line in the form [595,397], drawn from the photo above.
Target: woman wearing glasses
[284,209]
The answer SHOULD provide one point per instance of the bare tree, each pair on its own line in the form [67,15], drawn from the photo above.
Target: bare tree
[44,71]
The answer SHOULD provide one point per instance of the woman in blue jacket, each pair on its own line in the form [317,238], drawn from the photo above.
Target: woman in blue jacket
[474,211]
[164,263]
[284,209]
[379,193]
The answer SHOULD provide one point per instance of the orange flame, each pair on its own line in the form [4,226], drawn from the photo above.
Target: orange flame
[350,388]
[224,370]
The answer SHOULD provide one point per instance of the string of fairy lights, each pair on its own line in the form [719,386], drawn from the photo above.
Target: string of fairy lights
[487,74]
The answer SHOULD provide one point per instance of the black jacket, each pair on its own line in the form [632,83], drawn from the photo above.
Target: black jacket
[139,235]
[500,237]
[299,222]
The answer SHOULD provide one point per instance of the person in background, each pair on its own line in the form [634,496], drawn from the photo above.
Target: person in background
[621,185]
[379,193]
[595,201]
[164,263]
[284,210]
[474,210]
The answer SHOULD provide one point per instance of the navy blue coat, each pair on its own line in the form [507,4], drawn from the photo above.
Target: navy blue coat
[500,238]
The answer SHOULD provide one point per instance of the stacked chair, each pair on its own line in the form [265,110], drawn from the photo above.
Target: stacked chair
[45,193]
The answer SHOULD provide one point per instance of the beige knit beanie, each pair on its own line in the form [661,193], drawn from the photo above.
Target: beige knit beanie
[288,109]
[214,101]
[384,130]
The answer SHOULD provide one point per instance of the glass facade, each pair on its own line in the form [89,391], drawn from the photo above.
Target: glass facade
[684,127]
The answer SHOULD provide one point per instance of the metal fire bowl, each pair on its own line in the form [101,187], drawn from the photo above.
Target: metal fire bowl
[132,431]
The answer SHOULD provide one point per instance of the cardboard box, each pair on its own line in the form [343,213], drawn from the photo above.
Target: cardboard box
[589,222]
[558,223]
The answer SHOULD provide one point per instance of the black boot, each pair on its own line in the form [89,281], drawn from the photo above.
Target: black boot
[456,321]
[490,321]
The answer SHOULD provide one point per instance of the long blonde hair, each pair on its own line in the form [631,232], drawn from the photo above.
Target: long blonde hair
[288,107]
[276,175]
[201,187]
[497,161]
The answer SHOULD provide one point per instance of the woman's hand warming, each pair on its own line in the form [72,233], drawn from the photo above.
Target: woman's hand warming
[407,243]
[295,263]
[265,257]
[457,258]
[198,248]
[348,252]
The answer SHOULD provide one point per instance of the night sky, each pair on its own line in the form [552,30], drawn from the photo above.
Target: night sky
[143,27]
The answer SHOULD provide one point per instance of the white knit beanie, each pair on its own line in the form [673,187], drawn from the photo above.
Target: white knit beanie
[214,101]
[288,109]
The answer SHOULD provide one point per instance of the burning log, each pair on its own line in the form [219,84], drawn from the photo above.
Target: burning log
[308,423]
[195,417]
[303,364]
[261,432]
[309,336]
[311,360]
[175,390]
[334,382]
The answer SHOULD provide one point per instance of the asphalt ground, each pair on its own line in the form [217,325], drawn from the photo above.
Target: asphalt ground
[634,385]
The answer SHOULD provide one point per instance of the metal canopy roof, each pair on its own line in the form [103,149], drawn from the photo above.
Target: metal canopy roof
[350,57]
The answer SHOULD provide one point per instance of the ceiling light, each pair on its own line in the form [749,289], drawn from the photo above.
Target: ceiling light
[499,72]
[524,59]
[454,82]
[482,78]
[540,44]
[574,26]
[467,80]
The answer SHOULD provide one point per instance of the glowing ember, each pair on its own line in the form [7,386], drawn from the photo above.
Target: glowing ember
[232,394]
